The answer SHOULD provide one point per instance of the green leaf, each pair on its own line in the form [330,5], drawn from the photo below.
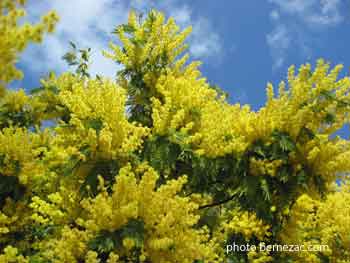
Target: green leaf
[10,187]
[329,118]
[98,77]
[338,241]
[72,45]
[107,241]
[302,179]
[323,258]
[343,103]
[70,58]
[283,174]
[328,94]
[108,169]
[305,134]
[36,90]
[265,189]
[104,243]
[320,184]
[42,231]
[137,42]
[53,89]
[124,27]
[285,141]
[96,124]
[259,151]
[134,229]
[84,55]
[128,28]
[209,217]
[73,163]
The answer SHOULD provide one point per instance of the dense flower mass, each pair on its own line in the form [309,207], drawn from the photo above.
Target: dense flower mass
[138,169]
[321,222]
[14,37]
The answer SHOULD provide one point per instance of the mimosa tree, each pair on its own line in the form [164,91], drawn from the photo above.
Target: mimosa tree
[156,165]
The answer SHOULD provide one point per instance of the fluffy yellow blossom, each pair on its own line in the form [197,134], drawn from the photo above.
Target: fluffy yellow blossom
[306,103]
[45,212]
[190,101]
[98,119]
[259,256]
[161,210]
[92,257]
[247,224]
[69,246]
[157,166]
[112,258]
[162,37]
[128,243]
[320,222]
[15,100]
[11,256]
[14,37]
[19,150]
[264,167]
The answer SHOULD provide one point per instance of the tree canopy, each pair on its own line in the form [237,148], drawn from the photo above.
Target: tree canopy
[156,166]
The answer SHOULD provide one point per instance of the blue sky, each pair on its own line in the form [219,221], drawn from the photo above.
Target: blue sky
[243,44]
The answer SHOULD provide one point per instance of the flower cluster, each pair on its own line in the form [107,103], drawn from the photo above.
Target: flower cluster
[320,222]
[247,224]
[139,169]
[15,38]
[98,120]
[162,212]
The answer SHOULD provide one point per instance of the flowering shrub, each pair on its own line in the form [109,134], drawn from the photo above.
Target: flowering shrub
[138,169]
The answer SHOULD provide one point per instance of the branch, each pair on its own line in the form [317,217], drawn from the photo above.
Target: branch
[217,203]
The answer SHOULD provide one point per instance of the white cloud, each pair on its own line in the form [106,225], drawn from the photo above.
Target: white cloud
[312,12]
[279,38]
[298,20]
[279,41]
[88,23]
[85,22]
[274,15]
[294,6]
[182,15]
[203,43]
[329,14]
